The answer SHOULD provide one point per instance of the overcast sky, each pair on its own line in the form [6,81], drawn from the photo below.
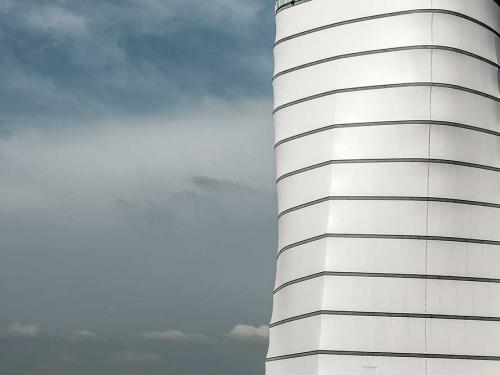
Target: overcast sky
[137,201]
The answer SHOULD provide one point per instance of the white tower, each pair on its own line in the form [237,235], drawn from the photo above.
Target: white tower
[387,118]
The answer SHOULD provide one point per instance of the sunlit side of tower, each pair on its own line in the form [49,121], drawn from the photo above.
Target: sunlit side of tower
[387,123]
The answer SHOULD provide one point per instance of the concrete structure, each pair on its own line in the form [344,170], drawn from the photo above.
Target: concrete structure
[387,120]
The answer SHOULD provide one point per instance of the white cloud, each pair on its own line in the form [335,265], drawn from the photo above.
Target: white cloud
[84,335]
[21,330]
[56,19]
[246,332]
[137,357]
[172,335]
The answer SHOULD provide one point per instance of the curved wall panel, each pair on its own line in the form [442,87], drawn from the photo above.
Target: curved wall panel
[387,125]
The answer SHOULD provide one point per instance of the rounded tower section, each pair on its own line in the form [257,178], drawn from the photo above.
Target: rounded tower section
[387,126]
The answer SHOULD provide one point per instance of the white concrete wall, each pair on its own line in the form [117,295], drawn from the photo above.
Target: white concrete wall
[387,123]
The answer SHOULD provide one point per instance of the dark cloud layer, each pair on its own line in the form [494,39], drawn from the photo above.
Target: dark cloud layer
[94,58]
[56,356]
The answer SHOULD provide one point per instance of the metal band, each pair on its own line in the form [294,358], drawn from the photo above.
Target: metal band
[385,315]
[386,86]
[384,354]
[388,160]
[387,123]
[386,15]
[387,276]
[388,198]
[388,237]
[386,50]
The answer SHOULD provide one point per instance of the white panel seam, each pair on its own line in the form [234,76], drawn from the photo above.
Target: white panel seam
[325,259]
[426,256]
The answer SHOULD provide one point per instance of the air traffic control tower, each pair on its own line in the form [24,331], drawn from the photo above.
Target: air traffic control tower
[387,121]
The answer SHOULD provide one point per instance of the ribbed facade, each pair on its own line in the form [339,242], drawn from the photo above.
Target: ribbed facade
[387,123]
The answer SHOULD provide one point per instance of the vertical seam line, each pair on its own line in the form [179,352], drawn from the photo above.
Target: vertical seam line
[325,256]
[429,143]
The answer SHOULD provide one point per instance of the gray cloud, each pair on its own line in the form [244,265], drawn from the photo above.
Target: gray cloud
[137,357]
[136,185]
[55,19]
[101,157]
[207,183]
[49,355]
[99,59]
[113,209]
[231,12]
[23,330]
[210,184]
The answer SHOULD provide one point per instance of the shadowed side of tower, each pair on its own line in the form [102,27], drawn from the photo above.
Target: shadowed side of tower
[387,124]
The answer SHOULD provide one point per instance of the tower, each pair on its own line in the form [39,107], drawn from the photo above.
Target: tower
[387,125]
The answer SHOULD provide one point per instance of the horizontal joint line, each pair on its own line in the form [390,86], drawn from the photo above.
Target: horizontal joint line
[385,50]
[387,160]
[385,315]
[384,354]
[387,15]
[386,123]
[388,276]
[386,86]
[388,198]
[389,237]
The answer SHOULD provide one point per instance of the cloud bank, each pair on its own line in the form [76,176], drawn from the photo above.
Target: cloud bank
[94,59]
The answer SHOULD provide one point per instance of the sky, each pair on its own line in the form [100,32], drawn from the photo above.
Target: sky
[137,195]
